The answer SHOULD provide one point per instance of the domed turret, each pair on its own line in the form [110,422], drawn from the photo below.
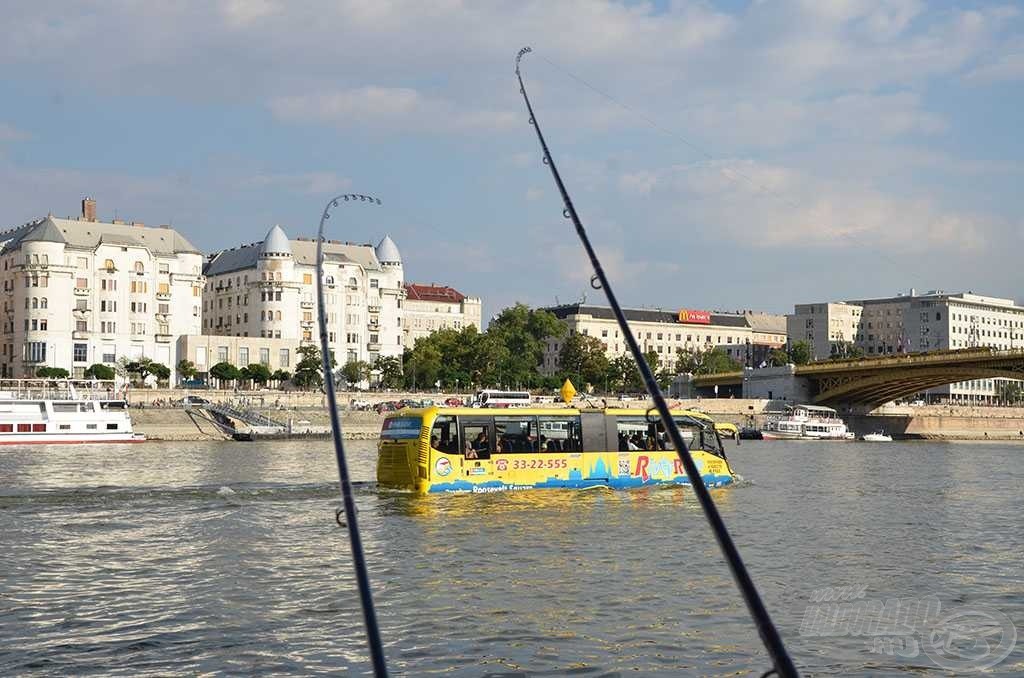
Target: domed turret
[275,244]
[387,251]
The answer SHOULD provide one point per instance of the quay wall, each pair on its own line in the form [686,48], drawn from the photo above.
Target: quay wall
[305,409]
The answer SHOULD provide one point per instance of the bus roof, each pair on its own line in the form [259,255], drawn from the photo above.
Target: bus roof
[536,411]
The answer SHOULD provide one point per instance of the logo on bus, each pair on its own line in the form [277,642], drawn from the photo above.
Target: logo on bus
[443,467]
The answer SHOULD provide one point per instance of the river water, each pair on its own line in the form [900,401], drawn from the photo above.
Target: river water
[223,558]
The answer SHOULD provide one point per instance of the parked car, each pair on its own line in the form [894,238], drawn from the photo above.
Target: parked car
[193,383]
[193,400]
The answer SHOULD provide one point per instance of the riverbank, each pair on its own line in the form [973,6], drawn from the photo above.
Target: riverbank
[934,422]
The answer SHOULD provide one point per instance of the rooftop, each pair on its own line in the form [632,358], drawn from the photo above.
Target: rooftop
[420,292]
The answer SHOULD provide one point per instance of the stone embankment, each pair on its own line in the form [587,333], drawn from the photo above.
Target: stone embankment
[161,422]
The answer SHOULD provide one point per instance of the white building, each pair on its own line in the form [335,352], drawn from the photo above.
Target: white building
[429,308]
[745,337]
[267,290]
[912,323]
[80,291]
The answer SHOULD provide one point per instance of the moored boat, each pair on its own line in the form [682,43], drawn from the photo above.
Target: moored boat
[438,449]
[877,437]
[806,422]
[35,411]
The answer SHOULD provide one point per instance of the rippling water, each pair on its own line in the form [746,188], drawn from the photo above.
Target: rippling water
[224,558]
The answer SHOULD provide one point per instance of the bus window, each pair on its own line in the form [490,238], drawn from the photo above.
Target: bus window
[560,434]
[697,434]
[444,435]
[516,434]
[476,439]
[636,433]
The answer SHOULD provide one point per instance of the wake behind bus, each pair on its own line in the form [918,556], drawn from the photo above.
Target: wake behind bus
[437,450]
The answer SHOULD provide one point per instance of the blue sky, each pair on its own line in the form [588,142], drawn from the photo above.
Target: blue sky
[799,151]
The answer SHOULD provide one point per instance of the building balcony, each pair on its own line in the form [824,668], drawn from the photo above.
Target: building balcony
[373,325]
[373,346]
[80,334]
[306,304]
[82,291]
[306,323]
[163,296]
[163,338]
[373,308]
[81,311]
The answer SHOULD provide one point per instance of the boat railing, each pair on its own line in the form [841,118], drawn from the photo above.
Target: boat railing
[57,389]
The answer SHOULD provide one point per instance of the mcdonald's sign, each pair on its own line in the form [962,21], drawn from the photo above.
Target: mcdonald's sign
[695,317]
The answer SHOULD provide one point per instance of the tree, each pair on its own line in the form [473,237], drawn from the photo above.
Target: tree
[309,370]
[99,371]
[422,365]
[583,358]
[1009,392]
[800,353]
[257,373]
[187,369]
[778,358]
[846,350]
[160,371]
[53,373]
[141,367]
[225,371]
[523,331]
[390,368]
[281,376]
[355,371]
[624,375]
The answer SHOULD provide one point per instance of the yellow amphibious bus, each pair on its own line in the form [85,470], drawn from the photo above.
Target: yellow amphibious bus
[491,450]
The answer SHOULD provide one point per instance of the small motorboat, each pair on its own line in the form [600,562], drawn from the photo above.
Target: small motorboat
[877,437]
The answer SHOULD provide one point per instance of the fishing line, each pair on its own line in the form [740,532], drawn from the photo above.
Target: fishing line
[380,668]
[783,665]
[729,173]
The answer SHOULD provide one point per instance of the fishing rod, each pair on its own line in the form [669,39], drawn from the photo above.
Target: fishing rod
[783,664]
[380,668]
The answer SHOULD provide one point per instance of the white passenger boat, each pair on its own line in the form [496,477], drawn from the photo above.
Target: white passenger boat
[61,412]
[806,422]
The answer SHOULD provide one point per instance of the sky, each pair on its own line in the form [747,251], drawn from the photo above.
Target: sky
[722,155]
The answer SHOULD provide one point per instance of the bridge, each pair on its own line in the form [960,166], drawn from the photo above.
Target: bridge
[874,381]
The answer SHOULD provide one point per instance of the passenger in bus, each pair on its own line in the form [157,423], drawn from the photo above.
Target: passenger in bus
[470,452]
[435,442]
[553,446]
[623,442]
[480,444]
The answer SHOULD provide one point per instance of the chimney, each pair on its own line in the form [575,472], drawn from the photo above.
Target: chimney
[88,209]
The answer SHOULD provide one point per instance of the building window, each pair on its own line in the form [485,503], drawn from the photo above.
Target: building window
[283,357]
[139,268]
[81,283]
[307,278]
[163,288]
[243,356]
[265,356]
[373,283]
[222,354]
[81,353]
[35,351]
[164,268]
[109,265]
[81,325]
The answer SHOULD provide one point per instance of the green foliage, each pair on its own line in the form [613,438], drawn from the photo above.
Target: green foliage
[517,337]
[584,361]
[281,376]
[257,373]
[187,369]
[846,350]
[53,373]
[778,358]
[225,371]
[99,371]
[160,371]
[623,375]
[391,373]
[355,371]
[800,353]
[309,370]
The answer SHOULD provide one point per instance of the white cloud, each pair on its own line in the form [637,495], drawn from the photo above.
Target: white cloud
[779,207]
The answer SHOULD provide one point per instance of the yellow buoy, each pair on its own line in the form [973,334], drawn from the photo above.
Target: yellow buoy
[568,392]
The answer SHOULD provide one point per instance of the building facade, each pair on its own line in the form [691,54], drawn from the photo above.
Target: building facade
[668,333]
[267,290]
[429,308]
[911,323]
[82,291]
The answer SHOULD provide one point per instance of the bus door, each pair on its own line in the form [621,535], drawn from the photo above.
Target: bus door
[477,435]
